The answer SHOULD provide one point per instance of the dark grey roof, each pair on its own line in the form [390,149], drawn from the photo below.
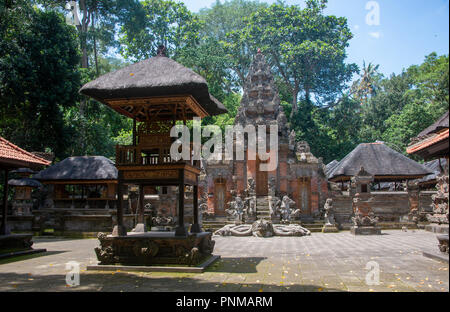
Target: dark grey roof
[330,166]
[23,170]
[433,166]
[379,160]
[80,168]
[156,76]
[441,123]
[24,182]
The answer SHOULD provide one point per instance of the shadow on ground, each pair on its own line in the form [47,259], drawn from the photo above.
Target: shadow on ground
[32,256]
[236,265]
[138,282]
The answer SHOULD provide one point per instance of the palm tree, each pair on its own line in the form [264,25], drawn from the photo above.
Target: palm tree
[365,85]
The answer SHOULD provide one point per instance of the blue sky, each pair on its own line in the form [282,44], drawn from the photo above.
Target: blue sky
[407,31]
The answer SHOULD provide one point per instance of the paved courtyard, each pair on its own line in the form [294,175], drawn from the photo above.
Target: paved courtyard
[320,262]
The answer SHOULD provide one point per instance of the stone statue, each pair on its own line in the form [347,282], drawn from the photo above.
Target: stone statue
[283,208]
[262,228]
[250,205]
[237,210]
[329,212]
[292,140]
[330,223]
[272,186]
[251,186]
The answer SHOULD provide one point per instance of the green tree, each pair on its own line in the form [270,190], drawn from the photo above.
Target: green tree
[158,22]
[38,77]
[306,47]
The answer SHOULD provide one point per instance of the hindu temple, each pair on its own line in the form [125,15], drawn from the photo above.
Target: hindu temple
[299,175]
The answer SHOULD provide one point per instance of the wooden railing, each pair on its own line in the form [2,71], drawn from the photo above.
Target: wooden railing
[135,155]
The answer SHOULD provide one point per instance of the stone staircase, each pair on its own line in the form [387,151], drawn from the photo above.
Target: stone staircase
[262,207]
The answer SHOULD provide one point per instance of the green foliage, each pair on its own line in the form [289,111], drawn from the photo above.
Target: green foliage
[158,22]
[38,77]
[306,47]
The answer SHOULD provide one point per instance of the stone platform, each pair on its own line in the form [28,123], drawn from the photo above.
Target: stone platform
[153,248]
[17,245]
[154,268]
[365,230]
[437,228]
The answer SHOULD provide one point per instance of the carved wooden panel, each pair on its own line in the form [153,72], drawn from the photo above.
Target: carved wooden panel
[153,174]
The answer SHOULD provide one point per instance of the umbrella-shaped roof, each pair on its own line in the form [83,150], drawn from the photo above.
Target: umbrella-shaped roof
[154,77]
[79,168]
[25,182]
[381,161]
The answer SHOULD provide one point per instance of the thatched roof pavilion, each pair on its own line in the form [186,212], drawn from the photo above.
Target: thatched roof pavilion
[152,80]
[381,161]
[80,169]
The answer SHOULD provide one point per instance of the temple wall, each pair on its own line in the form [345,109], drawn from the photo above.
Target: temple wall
[388,206]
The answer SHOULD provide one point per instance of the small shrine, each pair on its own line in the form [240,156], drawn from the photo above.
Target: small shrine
[432,143]
[23,187]
[13,157]
[364,219]
[156,94]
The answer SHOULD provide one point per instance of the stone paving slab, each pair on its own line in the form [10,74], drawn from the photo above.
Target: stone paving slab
[321,262]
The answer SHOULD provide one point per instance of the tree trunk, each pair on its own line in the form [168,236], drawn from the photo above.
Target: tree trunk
[294,110]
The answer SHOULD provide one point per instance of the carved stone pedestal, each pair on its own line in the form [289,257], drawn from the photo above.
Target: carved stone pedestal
[154,248]
[365,230]
[330,228]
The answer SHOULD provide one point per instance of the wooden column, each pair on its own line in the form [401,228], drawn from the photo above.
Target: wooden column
[119,229]
[195,228]
[181,229]
[4,230]
[140,226]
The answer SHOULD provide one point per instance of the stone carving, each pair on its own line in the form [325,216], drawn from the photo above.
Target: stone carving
[237,210]
[329,212]
[292,140]
[262,228]
[304,154]
[105,254]
[272,186]
[251,186]
[290,230]
[413,201]
[250,205]
[440,202]
[284,211]
[364,219]
[161,220]
[148,249]
[363,214]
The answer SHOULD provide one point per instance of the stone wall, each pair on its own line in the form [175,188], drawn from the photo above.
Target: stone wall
[388,206]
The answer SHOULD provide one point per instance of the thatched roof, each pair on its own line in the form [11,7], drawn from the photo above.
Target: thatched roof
[433,166]
[156,76]
[330,166]
[440,124]
[25,182]
[80,168]
[381,161]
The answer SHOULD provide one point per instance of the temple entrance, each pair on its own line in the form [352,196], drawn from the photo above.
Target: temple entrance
[304,200]
[219,196]
[262,188]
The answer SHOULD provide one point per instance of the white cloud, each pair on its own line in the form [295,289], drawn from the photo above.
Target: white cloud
[376,35]
[356,27]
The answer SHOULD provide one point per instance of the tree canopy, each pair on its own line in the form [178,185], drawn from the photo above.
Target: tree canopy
[331,103]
